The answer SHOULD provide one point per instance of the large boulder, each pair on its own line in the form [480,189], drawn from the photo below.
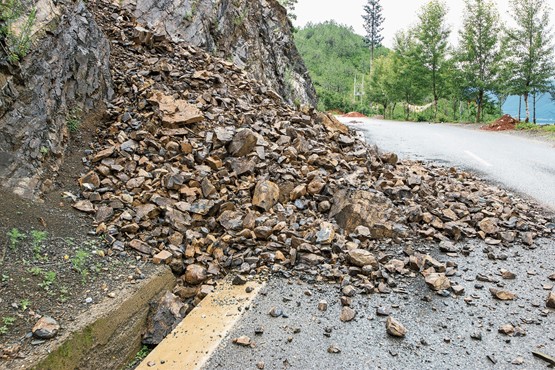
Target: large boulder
[370,209]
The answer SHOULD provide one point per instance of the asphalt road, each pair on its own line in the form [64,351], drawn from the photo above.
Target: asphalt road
[518,163]
[455,332]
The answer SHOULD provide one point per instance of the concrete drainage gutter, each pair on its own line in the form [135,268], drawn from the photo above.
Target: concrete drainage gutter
[108,335]
[192,342]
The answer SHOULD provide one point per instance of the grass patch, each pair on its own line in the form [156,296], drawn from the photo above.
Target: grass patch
[533,127]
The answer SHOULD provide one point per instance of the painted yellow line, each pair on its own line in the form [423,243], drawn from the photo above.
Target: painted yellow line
[194,340]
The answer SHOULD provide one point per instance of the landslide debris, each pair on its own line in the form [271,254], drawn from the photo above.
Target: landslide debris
[209,171]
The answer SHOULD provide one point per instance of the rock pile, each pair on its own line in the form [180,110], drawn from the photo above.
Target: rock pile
[206,170]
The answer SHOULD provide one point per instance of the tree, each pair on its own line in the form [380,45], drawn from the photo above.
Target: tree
[431,34]
[373,20]
[382,88]
[531,45]
[290,6]
[334,55]
[479,52]
[408,71]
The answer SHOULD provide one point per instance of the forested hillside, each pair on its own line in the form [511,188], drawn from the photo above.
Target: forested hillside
[336,58]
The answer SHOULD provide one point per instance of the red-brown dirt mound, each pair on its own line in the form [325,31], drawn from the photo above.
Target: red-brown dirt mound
[504,123]
[354,115]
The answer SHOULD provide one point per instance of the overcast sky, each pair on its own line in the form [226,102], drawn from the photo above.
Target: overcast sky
[399,14]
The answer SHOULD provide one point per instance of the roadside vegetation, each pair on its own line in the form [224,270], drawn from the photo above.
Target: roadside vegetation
[16,22]
[423,77]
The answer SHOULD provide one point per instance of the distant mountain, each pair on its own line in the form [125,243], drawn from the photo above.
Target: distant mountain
[544,105]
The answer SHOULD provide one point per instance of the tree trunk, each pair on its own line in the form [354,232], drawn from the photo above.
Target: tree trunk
[527,106]
[519,106]
[534,107]
[479,108]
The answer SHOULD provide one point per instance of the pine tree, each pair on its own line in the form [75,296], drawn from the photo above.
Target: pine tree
[373,20]
[531,45]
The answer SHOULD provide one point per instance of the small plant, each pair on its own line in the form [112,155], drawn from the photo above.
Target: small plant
[73,120]
[47,280]
[63,294]
[139,357]
[24,303]
[37,238]
[15,237]
[36,271]
[5,278]
[44,150]
[7,322]
[79,262]
[18,43]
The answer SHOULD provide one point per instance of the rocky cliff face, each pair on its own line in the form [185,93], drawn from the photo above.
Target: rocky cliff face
[255,35]
[66,74]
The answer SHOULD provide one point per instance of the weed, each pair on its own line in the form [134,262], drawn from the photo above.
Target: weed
[73,120]
[7,322]
[79,263]
[44,150]
[47,280]
[24,304]
[15,237]
[139,357]
[36,271]
[37,238]
[5,278]
[63,294]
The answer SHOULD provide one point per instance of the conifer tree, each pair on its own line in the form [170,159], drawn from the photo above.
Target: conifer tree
[373,20]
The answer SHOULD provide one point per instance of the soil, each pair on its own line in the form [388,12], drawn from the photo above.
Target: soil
[505,123]
[354,115]
[51,263]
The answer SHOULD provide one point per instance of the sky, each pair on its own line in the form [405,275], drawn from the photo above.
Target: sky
[399,14]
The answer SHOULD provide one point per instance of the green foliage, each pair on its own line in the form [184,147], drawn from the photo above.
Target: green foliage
[335,56]
[16,44]
[36,271]
[431,34]
[48,279]
[24,304]
[530,43]
[290,6]
[37,238]
[480,50]
[15,237]
[7,321]
[139,357]
[79,262]
[73,120]
[373,20]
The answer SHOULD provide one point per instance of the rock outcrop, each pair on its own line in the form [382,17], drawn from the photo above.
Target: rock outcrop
[66,74]
[255,35]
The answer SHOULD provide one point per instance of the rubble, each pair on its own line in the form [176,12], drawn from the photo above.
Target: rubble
[46,328]
[395,328]
[207,170]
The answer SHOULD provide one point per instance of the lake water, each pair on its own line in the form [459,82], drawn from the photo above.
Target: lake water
[544,105]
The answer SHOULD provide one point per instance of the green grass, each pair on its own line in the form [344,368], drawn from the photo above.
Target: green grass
[533,127]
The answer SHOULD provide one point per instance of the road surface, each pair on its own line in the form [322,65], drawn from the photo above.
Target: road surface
[455,332]
[522,164]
